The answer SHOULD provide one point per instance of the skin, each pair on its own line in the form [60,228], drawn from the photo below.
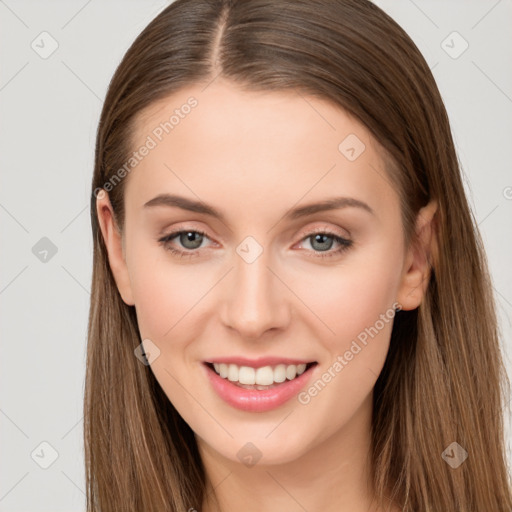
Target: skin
[254,156]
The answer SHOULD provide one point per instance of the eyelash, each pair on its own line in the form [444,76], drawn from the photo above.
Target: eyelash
[344,243]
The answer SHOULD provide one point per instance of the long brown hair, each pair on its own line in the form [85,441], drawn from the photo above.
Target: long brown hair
[443,380]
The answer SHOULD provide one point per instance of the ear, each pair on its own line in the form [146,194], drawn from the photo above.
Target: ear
[115,248]
[417,267]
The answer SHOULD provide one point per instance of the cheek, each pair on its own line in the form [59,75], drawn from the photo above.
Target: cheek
[350,297]
[358,307]
[164,292]
[355,303]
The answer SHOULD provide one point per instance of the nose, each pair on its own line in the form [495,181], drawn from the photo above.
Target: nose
[256,300]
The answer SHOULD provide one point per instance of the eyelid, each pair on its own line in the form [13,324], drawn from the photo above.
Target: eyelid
[180,226]
[304,233]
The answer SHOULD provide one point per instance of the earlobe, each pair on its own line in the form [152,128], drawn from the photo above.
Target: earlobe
[420,255]
[114,244]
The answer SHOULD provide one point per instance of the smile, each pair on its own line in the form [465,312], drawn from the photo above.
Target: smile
[261,377]
[257,388]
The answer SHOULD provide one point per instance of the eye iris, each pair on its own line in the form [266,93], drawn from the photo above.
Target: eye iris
[321,238]
[188,236]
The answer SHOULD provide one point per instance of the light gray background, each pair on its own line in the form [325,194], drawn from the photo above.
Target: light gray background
[49,113]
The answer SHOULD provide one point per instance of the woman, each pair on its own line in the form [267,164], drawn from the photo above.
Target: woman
[291,306]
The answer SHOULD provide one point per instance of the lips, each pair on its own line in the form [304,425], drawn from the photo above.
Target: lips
[255,397]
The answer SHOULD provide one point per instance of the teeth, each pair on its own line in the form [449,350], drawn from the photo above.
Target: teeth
[247,375]
[223,370]
[233,373]
[280,373]
[264,376]
[291,371]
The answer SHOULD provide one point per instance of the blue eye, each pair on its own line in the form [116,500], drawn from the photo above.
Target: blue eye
[189,236]
[321,241]
[324,240]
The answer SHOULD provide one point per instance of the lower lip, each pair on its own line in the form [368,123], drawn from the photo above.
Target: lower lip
[253,400]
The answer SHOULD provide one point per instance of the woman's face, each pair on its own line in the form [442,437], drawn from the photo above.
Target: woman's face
[274,283]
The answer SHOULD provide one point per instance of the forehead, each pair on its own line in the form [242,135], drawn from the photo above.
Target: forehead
[223,143]
[224,114]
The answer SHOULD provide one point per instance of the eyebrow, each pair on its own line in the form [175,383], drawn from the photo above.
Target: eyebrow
[184,203]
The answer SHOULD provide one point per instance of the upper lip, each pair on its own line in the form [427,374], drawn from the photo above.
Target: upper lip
[259,362]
